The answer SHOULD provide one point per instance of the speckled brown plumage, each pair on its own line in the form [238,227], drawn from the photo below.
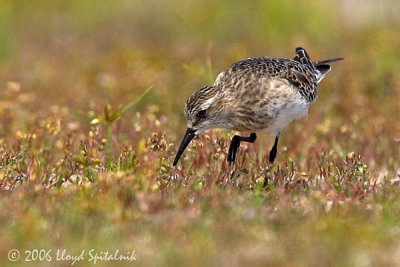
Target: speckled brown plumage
[257,93]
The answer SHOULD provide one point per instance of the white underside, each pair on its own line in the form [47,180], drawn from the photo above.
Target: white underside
[292,111]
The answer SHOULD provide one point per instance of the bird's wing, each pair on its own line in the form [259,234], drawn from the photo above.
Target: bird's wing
[304,80]
[249,70]
[303,57]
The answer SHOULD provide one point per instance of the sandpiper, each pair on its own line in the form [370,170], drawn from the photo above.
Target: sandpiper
[255,94]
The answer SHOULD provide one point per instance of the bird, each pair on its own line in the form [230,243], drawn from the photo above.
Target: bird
[253,94]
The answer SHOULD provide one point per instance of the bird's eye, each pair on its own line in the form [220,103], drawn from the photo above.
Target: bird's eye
[202,113]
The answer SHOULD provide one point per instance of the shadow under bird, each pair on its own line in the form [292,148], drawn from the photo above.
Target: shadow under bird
[255,94]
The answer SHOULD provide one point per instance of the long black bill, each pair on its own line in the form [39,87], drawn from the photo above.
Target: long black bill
[190,133]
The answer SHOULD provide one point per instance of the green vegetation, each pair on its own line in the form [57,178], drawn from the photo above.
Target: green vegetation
[86,148]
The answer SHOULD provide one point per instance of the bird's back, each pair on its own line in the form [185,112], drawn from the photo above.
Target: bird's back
[259,93]
[251,73]
[268,93]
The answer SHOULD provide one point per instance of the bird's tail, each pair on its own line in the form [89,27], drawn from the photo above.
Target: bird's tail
[303,57]
[322,67]
[323,62]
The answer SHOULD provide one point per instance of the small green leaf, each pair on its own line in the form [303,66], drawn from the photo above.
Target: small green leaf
[107,110]
[114,116]
[133,102]
[97,120]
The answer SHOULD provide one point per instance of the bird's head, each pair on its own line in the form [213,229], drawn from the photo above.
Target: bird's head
[203,111]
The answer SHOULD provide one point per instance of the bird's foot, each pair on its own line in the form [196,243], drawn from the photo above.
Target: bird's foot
[267,176]
[235,144]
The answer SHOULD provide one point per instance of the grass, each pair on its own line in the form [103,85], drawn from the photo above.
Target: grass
[78,174]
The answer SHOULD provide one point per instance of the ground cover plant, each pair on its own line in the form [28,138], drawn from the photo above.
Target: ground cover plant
[91,115]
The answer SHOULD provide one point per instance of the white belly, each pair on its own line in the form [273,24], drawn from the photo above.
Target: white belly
[288,113]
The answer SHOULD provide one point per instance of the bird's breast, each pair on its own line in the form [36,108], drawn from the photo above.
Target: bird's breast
[271,106]
[286,114]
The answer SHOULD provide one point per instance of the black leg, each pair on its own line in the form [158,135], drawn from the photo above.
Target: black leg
[274,150]
[266,179]
[235,144]
[272,156]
